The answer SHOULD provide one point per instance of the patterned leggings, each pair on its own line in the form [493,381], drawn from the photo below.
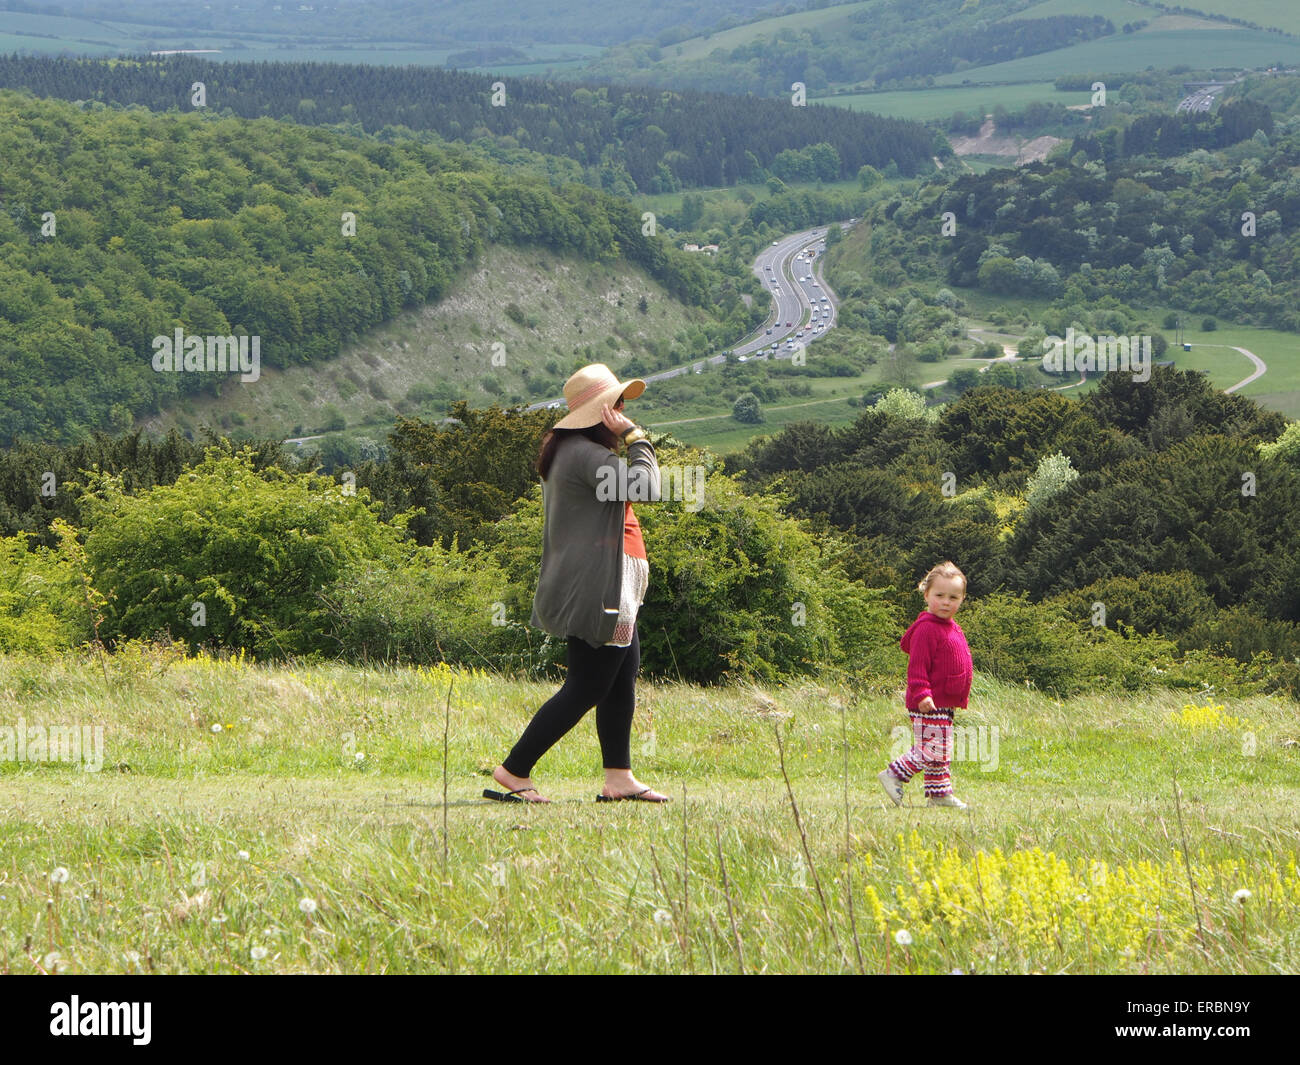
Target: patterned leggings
[932,752]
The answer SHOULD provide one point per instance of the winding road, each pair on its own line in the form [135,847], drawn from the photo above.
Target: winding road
[780,267]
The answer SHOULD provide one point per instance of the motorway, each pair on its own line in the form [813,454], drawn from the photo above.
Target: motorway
[799,315]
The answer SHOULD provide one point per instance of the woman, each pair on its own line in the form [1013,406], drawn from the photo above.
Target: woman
[593,580]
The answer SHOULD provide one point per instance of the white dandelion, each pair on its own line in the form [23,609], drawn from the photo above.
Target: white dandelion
[216,728]
[242,855]
[1240,895]
[903,937]
[662,917]
[257,953]
[59,876]
[308,906]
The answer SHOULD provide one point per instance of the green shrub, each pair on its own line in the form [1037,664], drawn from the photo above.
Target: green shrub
[256,549]
[736,588]
[436,605]
[1020,642]
[1164,603]
[1241,634]
[42,609]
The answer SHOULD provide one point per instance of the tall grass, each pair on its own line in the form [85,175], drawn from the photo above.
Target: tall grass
[311,832]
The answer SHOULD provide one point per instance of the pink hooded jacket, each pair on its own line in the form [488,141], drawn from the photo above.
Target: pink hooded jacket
[939,663]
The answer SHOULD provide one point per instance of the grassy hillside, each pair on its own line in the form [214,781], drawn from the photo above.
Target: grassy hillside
[1218,47]
[44,34]
[253,819]
[1268,13]
[572,312]
[926,104]
[836,19]
[458,23]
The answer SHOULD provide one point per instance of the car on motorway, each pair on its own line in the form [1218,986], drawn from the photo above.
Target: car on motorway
[769,332]
[768,267]
[774,243]
[744,358]
[788,324]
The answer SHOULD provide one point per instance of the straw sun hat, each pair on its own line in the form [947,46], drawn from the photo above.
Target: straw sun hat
[588,390]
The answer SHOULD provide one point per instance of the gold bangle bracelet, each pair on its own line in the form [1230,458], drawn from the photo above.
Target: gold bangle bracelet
[633,435]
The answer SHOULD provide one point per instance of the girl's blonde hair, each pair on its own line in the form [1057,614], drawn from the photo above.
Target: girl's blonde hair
[943,569]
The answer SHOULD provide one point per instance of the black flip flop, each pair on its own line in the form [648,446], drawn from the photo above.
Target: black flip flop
[507,796]
[638,797]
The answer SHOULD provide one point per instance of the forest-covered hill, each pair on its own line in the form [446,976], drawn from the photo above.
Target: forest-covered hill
[631,139]
[119,227]
[1214,232]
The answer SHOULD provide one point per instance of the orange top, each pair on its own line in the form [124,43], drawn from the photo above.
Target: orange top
[632,543]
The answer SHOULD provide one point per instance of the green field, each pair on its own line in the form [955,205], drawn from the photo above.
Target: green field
[1278,389]
[1280,13]
[823,19]
[1159,49]
[56,34]
[1118,11]
[291,819]
[925,104]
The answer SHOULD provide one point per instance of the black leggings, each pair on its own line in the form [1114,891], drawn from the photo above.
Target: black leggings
[603,677]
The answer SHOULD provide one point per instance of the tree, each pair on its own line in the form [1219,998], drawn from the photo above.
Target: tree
[746,409]
[1052,477]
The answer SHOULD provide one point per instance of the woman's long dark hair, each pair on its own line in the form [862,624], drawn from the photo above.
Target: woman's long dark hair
[600,433]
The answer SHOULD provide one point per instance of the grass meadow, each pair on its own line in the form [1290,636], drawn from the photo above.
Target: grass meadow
[1200,49]
[296,818]
[925,104]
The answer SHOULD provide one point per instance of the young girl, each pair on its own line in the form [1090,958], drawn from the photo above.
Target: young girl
[938,681]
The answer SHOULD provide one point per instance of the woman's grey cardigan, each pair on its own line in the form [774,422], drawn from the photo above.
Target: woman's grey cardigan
[584,497]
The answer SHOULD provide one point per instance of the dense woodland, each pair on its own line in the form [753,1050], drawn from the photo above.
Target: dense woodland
[633,140]
[222,227]
[1133,499]
[1212,233]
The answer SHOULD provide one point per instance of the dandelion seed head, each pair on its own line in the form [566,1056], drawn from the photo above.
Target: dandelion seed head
[59,875]
[257,953]
[242,855]
[662,916]
[903,937]
[307,905]
[216,728]
[1241,895]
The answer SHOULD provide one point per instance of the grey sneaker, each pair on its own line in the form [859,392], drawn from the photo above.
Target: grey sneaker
[946,800]
[892,785]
